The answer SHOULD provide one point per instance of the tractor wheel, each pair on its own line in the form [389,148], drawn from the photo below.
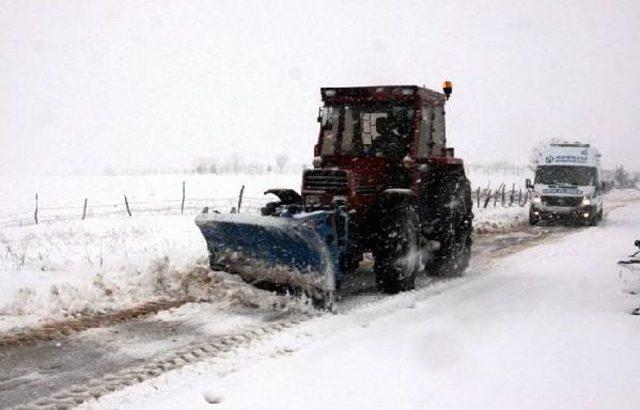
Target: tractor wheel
[453,228]
[326,301]
[398,258]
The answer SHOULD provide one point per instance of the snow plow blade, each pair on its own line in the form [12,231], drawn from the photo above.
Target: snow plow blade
[298,251]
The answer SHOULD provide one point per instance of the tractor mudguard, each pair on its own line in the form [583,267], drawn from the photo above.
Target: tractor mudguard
[286,196]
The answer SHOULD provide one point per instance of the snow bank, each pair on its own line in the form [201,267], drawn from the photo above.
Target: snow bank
[623,195]
[495,220]
[55,270]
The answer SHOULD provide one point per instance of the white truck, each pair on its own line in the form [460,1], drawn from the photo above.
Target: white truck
[567,185]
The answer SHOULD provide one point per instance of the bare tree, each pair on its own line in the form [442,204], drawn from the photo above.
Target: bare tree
[623,179]
[201,168]
[281,162]
[235,163]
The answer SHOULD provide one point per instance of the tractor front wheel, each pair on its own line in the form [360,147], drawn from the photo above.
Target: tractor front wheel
[397,255]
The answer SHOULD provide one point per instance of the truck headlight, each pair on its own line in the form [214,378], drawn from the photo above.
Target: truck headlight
[537,198]
[586,200]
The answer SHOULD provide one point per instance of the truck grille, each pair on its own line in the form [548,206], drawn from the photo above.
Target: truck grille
[562,200]
[325,180]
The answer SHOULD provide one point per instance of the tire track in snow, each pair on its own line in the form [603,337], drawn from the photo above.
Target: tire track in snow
[59,329]
[77,394]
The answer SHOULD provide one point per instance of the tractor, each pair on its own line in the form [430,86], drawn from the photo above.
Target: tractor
[383,182]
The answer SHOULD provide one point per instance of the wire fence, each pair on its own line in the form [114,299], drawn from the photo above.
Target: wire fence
[486,197]
[501,196]
[126,206]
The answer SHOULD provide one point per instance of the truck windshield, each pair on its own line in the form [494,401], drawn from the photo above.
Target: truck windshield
[567,175]
[366,130]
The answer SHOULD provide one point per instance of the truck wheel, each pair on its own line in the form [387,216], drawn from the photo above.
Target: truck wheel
[533,220]
[397,255]
[454,227]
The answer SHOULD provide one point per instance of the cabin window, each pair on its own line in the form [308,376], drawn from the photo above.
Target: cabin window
[424,141]
[330,123]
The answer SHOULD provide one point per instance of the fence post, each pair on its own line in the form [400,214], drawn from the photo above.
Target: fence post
[126,203]
[240,198]
[183,195]
[35,214]
[520,197]
[486,201]
[513,194]
[502,196]
[84,209]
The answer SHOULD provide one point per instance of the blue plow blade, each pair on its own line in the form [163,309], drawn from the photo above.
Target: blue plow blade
[298,250]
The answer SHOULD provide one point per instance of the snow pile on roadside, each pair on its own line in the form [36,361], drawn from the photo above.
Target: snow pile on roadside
[55,270]
[498,219]
[623,195]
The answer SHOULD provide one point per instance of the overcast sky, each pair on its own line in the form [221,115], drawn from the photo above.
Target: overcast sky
[136,84]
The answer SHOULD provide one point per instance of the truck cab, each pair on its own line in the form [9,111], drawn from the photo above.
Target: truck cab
[567,185]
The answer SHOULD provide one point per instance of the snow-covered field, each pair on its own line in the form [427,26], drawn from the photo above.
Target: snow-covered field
[63,197]
[110,260]
[546,328]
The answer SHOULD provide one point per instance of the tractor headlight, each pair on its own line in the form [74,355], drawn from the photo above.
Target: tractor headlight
[537,198]
[586,200]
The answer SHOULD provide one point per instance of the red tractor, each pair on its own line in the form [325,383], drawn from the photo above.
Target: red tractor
[384,181]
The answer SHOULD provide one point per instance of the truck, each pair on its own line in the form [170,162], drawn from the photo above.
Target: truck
[384,182]
[567,185]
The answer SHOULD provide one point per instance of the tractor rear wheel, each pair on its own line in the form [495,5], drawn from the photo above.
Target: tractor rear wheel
[398,258]
[453,228]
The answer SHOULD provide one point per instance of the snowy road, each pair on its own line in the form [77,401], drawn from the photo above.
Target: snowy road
[38,370]
[515,284]
[547,327]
